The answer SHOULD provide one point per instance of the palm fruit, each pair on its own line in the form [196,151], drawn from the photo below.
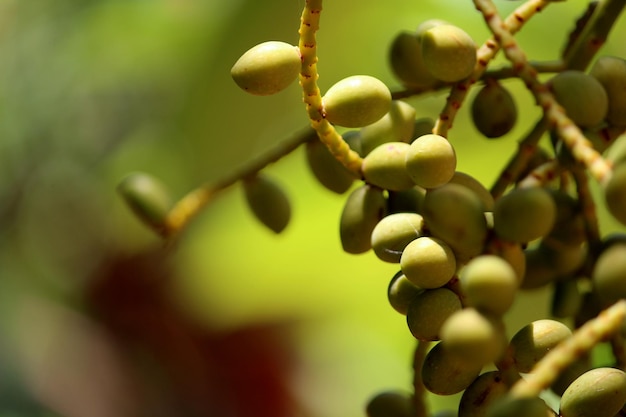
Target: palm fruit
[147,197]
[331,173]
[393,233]
[614,193]
[478,397]
[533,341]
[268,202]
[401,292]
[430,161]
[356,101]
[476,186]
[489,284]
[582,96]
[508,406]
[429,310]
[390,404]
[267,68]
[493,110]
[363,209]
[599,392]
[607,276]
[449,52]
[611,72]
[444,373]
[385,167]
[428,262]
[395,126]
[524,214]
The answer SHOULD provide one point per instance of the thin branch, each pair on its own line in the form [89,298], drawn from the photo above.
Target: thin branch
[419,390]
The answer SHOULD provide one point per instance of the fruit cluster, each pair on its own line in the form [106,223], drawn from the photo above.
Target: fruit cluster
[464,252]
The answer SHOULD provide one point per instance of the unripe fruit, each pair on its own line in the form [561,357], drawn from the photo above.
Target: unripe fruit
[430,161]
[147,197]
[395,126]
[429,310]
[566,299]
[449,52]
[455,214]
[476,186]
[615,193]
[331,173]
[385,167]
[407,64]
[533,341]
[363,209]
[267,68]
[611,72]
[401,293]
[493,110]
[445,374]
[356,101]
[608,274]
[405,201]
[481,394]
[524,214]
[428,262]
[393,233]
[390,404]
[600,392]
[582,97]
[268,202]
[489,284]
[507,406]
[472,337]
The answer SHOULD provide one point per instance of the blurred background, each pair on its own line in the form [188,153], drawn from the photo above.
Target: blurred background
[97,317]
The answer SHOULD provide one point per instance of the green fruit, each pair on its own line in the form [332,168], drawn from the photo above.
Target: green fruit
[384,167]
[481,394]
[472,337]
[429,310]
[147,197]
[445,374]
[533,341]
[566,299]
[331,173]
[267,68]
[393,233]
[476,186]
[611,72]
[493,110]
[423,126]
[539,271]
[600,392]
[405,201]
[569,224]
[489,284]
[524,214]
[507,406]
[615,193]
[430,161]
[449,53]
[363,209]
[407,64]
[428,262]
[356,101]
[569,375]
[395,126]
[390,404]
[513,254]
[608,274]
[582,97]
[268,202]
[455,214]
[401,293]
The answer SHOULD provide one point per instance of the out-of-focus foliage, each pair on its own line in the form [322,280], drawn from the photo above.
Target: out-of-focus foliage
[96,319]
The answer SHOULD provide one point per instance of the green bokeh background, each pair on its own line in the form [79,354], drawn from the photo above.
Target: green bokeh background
[92,90]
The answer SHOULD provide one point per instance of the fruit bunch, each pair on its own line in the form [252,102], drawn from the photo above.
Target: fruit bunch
[465,252]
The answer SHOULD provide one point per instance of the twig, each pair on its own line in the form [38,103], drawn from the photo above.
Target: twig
[419,391]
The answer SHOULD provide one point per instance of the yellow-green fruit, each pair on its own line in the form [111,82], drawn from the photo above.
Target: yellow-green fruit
[533,341]
[405,201]
[569,224]
[331,173]
[611,72]
[481,394]
[445,374]
[363,209]
[147,197]
[608,276]
[395,126]
[390,404]
[385,167]
[430,161]
[428,262]
[449,52]
[524,214]
[393,233]
[476,186]
[508,406]
[600,392]
[569,375]
[455,214]
[268,202]
[429,310]
[582,97]
[401,293]
[511,252]
[539,271]
[267,68]
[615,193]
[493,110]
[423,126]
[356,101]
[407,64]
[489,284]
[472,337]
